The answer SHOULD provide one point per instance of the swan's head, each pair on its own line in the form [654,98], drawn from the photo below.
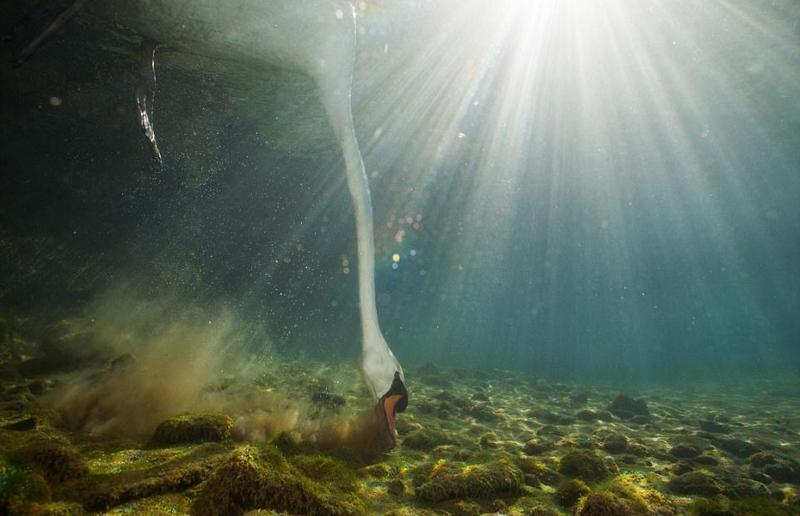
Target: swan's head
[384,377]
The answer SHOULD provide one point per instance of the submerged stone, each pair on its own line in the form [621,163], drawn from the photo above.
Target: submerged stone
[58,462]
[626,407]
[583,464]
[250,479]
[445,480]
[695,483]
[193,428]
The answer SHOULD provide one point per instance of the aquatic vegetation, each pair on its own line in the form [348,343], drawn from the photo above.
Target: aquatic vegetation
[606,504]
[741,507]
[446,479]
[698,482]
[20,487]
[193,428]
[426,439]
[250,478]
[57,461]
[569,492]
[584,465]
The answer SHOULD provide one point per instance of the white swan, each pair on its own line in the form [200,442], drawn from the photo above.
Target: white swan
[316,37]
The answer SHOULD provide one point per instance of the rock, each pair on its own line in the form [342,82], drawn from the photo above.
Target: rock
[626,407]
[568,493]
[57,461]
[426,439]
[193,428]
[536,447]
[779,468]
[23,425]
[684,451]
[446,479]
[615,443]
[699,483]
[584,465]
[737,447]
[606,504]
[250,478]
[714,428]
[483,412]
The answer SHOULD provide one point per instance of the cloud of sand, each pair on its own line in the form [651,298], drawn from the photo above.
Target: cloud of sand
[168,353]
[174,358]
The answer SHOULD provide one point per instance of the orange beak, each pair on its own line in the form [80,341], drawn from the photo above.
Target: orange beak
[395,400]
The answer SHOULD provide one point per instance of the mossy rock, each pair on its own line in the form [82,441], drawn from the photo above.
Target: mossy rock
[584,465]
[606,504]
[20,487]
[699,482]
[425,439]
[58,462]
[446,479]
[250,479]
[56,509]
[193,428]
[568,493]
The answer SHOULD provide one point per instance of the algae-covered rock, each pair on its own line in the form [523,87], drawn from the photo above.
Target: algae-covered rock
[20,488]
[56,509]
[445,479]
[626,407]
[568,493]
[584,465]
[426,439]
[193,428]
[605,504]
[248,479]
[57,461]
[695,483]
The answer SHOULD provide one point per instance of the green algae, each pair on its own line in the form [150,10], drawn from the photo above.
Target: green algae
[570,492]
[584,465]
[252,478]
[193,428]
[446,479]
[20,487]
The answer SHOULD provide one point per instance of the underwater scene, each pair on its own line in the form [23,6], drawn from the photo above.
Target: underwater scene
[400,257]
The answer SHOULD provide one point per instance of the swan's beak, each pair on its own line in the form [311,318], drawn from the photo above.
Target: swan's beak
[395,400]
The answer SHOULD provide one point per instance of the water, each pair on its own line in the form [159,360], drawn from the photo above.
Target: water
[573,201]
[574,192]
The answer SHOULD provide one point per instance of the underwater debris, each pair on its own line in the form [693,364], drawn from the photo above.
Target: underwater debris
[584,465]
[264,479]
[193,428]
[446,479]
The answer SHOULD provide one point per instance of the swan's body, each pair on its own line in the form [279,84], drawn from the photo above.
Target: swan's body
[316,37]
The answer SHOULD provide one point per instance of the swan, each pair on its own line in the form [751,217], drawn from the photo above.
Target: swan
[315,37]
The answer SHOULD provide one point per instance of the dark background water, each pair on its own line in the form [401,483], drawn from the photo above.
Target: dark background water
[569,194]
